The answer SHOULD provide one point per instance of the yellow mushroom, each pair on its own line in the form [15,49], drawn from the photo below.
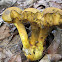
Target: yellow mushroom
[12,15]
[34,52]
[52,16]
[41,26]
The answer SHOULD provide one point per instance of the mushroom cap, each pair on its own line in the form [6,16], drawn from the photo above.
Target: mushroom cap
[32,14]
[32,10]
[52,16]
[52,10]
[6,14]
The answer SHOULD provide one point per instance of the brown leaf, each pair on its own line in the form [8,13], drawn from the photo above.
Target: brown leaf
[16,58]
[51,57]
[4,32]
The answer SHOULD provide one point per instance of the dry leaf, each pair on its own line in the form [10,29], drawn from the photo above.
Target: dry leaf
[51,57]
[4,32]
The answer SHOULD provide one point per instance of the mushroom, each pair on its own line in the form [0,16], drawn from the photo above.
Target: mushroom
[12,15]
[41,26]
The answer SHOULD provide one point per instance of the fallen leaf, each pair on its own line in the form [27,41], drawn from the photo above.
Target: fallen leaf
[4,32]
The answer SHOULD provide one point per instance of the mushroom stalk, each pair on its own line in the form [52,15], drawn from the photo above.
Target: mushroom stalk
[22,33]
[34,34]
